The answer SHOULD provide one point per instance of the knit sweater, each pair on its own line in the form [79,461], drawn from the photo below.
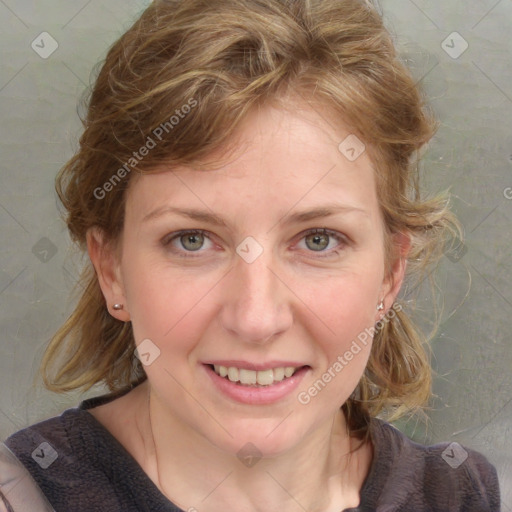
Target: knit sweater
[89,470]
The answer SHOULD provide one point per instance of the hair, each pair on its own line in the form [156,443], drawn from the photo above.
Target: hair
[181,80]
[5,503]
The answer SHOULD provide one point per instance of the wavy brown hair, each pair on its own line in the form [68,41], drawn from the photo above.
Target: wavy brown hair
[224,58]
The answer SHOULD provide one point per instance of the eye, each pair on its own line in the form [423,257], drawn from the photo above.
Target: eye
[318,240]
[186,241]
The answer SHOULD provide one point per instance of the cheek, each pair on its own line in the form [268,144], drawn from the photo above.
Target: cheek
[346,303]
[165,305]
[345,346]
[345,308]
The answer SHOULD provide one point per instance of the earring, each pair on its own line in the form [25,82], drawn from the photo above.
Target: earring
[380,307]
[117,307]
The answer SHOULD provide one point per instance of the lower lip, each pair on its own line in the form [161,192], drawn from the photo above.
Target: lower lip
[256,395]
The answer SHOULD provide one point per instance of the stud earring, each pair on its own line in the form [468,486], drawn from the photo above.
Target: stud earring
[380,307]
[117,307]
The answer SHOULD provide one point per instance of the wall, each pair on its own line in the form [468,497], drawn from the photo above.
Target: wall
[461,52]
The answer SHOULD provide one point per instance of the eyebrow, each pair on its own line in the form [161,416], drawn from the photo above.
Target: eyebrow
[301,216]
[324,211]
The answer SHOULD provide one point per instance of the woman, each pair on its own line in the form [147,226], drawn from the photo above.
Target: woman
[246,189]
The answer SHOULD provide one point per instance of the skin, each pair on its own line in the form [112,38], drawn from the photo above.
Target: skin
[293,302]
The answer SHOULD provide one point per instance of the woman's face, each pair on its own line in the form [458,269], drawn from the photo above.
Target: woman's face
[274,260]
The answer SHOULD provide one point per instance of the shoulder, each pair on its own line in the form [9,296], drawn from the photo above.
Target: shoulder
[74,437]
[42,443]
[445,476]
[79,465]
[55,453]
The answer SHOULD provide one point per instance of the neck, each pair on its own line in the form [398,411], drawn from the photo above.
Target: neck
[319,474]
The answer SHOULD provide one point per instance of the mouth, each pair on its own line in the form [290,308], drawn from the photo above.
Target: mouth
[255,378]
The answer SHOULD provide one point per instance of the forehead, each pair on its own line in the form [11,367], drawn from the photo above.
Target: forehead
[282,158]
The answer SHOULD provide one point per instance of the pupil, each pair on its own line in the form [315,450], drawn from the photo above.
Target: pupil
[192,242]
[321,241]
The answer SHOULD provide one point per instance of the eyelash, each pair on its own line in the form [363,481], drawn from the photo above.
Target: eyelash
[166,242]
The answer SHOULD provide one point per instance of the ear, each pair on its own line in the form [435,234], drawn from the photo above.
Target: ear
[401,244]
[106,261]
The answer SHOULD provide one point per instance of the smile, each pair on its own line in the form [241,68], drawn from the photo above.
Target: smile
[254,378]
[255,386]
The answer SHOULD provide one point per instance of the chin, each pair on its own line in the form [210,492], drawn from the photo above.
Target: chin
[265,437]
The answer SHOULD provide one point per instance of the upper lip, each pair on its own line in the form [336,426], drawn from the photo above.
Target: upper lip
[254,366]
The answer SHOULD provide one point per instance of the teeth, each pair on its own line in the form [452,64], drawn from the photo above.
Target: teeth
[251,377]
[278,374]
[248,376]
[288,371]
[233,374]
[264,377]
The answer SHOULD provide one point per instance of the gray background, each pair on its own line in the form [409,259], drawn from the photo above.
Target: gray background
[471,154]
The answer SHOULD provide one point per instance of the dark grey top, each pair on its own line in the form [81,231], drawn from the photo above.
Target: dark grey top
[92,471]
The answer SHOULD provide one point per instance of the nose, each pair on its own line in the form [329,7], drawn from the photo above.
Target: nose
[256,305]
